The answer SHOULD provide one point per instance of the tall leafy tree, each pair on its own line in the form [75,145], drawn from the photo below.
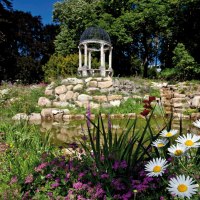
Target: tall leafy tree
[145,31]
[184,64]
[6,37]
[73,16]
[25,44]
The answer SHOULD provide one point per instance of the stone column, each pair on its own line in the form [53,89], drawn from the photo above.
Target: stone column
[102,56]
[89,60]
[80,58]
[80,62]
[102,67]
[110,58]
[84,71]
[85,54]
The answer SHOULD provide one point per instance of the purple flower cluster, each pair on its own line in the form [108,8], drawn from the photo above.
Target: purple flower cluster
[119,165]
[74,178]
[144,182]
[105,176]
[125,196]
[40,167]
[79,186]
[118,185]
[29,179]
[93,192]
[49,176]
[55,184]
[13,180]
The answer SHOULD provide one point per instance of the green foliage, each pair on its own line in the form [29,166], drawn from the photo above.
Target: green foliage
[28,69]
[110,163]
[185,65]
[129,106]
[131,145]
[20,99]
[25,146]
[59,66]
[152,72]
[25,45]
[74,17]
[142,32]
[168,73]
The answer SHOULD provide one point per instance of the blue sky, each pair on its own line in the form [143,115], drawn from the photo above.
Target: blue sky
[43,8]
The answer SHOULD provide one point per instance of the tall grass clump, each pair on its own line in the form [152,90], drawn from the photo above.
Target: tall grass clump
[25,146]
[20,99]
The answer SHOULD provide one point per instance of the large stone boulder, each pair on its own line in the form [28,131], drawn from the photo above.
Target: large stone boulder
[60,89]
[92,90]
[69,87]
[101,98]
[195,103]
[49,92]
[44,102]
[47,114]
[20,116]
[78,87]
[92,84]
[35,118]
[84,98]
[60,104]
[72,81]
[105,84]
[69,95]
[114,97]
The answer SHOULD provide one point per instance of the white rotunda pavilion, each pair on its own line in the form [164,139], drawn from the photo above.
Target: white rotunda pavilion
[95,39]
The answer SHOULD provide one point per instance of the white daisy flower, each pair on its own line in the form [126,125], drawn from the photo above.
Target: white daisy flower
[197,123]
[190,140]
[182,186]
[156,167]
[168,134]
[178,150]
[159,143]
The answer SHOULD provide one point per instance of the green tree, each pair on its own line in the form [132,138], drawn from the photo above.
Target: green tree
[185,65]
[146,30]
[6,39]
[74,16]
[25,44]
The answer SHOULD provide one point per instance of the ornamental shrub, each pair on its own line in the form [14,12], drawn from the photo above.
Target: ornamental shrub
[60,66]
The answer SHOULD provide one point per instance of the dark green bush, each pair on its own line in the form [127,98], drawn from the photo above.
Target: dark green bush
[60,66]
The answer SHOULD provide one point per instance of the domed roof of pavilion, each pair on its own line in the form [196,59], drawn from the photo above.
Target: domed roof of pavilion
[95,33]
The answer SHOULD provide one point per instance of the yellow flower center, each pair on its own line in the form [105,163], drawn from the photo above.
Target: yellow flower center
[157,169]
[189,143]
[160,145]
[169,134]
[178,152]
[182,188]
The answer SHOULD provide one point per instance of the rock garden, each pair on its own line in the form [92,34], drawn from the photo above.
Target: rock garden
[99,158]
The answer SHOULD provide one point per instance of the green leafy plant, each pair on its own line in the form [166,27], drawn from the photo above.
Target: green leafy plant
[132,145]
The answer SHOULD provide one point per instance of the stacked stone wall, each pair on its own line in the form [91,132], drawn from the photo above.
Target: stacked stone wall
[181,100]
